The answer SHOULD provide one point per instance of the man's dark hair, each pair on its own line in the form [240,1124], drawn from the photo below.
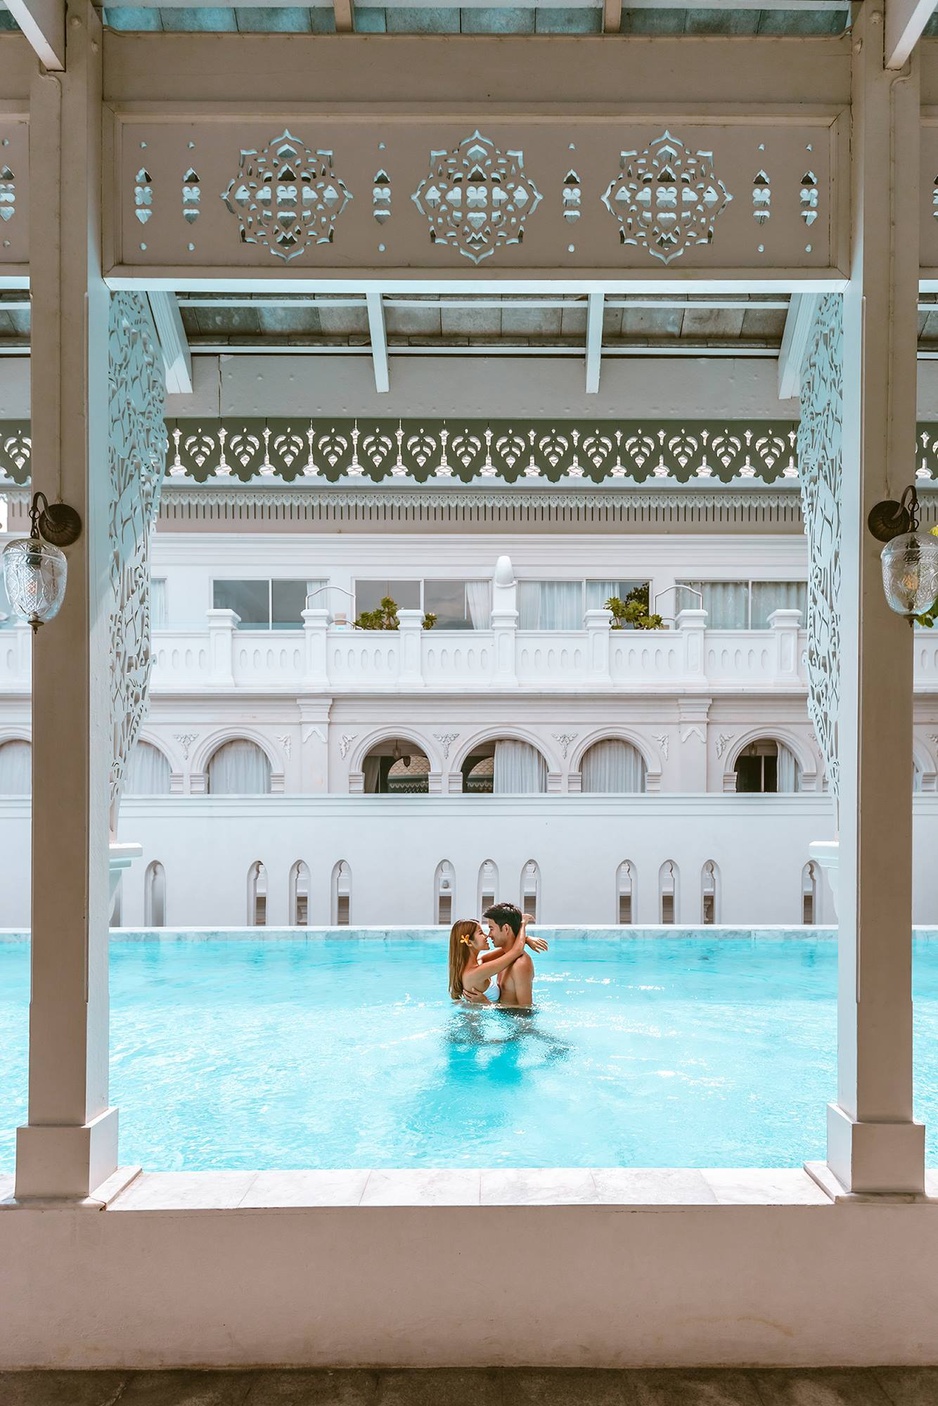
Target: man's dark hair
[505,913]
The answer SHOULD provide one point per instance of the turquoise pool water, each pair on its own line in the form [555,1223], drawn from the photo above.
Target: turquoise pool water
[344,1052]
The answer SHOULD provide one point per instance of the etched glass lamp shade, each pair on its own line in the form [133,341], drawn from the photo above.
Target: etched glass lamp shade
[910,573]
[34,575]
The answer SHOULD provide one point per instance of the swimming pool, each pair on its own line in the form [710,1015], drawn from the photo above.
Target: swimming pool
[343,1051]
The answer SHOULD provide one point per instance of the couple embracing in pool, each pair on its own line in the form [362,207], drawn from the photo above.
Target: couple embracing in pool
[473,962]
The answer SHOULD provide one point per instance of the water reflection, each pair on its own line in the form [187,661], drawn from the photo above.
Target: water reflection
[498,1045]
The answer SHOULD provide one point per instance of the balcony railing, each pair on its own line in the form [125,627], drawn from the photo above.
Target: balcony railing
[319,658]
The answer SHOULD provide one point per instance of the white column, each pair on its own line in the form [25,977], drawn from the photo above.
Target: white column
[69,1145]
[598,639]
[222,625]
[504,624]
[873,1144]
[410,641]
[786,626]
[316,638]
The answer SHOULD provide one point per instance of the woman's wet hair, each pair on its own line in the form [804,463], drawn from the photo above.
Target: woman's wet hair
[460,950]
[505,915]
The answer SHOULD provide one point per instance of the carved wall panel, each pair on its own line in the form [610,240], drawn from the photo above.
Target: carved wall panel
[136,458]
[14,190]
[334,194]
[820,460]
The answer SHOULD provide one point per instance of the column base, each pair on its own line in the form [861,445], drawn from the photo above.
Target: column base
[63,1163]
[875,1158]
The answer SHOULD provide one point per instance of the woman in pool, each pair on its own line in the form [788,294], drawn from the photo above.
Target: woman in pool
[471,966]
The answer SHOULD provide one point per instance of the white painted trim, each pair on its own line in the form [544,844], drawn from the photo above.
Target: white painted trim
[43,23]
[905,25]
[594,342]
[802,311]
[173,343]
[379,341]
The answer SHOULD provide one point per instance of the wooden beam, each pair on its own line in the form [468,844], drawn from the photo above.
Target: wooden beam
[612,16]
[43,23]
[379,342]
[344,16]
[801,314]
[177,360]
[594,342]
[905,24]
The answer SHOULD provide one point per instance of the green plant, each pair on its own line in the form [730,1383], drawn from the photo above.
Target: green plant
[633,611]
[386,617]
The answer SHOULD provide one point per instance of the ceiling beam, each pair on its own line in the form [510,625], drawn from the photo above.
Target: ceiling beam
[801,314]
[905,24]
[43,23]
[344,16]
[379,342]
[612,16]
[177,361]
[594,342]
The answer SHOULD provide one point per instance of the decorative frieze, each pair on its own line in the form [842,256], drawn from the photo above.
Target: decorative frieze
[366,191]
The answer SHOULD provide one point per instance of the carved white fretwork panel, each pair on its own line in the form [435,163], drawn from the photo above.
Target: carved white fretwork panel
[820,459]
[136,457]
[547,193]
[14,191]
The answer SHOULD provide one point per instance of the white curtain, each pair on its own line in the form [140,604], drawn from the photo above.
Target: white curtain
[239,769]
[479,601]
[769,596]
[157,602]
[726,603]
[519,769]
[789,772]
[15,769]
[550,605]
[371,768]
[598,592]
[148,772]
[613,766]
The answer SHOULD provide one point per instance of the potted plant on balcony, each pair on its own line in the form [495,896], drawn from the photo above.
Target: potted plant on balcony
[632,613]
[386,617]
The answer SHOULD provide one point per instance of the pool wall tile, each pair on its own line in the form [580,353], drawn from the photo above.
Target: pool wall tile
[422,1186]
[652,1186]
[277,1190]
[185,1191]
[551,1186]
[775,1186]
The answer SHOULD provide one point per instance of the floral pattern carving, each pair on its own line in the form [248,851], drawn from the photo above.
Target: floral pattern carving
[666,198]
[477,197]
[136,460]
[820,458]
[286,197]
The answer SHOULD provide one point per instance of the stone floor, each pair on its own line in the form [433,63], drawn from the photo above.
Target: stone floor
[880,1386]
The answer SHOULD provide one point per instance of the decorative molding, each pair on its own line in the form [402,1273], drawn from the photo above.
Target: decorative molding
[693,731]
[446,740]
[311,731]
[136,458]
[820,456]
[723,741]
[286,742]
[185,740]
[566,740]
[345,742]
[663,741]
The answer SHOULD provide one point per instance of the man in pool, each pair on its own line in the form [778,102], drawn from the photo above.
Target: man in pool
[516,982]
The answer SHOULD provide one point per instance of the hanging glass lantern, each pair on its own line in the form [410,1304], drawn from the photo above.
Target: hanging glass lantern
[910,573]
[34,569]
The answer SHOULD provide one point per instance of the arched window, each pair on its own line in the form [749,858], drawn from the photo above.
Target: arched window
[257,895]
[396,767]
[299,894]
[709,893]
[15,769]
[444,883]
[625,892]
[154,896]
[612,765]
[239,768]
[148,772]
[488,884]
[667,892]
[341,895]
[809,893]
[767,766]
[530,888]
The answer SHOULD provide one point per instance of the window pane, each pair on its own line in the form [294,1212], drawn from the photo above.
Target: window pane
[550,605]
[598,592]
[447,601]
[369,594]
[726,603]
[249,599]
[769,596]
[157,602]
[288,601]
